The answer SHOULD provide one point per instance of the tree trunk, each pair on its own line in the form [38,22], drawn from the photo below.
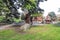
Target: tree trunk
[27,18]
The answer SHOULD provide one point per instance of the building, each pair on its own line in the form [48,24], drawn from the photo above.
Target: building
[48,19]
[58,17]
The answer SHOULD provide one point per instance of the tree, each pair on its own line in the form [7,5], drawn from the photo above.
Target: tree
[30,5]
[52,15]
[59,10]
[3,7]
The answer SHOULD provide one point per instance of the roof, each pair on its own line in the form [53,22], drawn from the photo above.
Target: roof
[47,18]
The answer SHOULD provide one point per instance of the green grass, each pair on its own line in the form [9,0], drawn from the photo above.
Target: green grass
[34,15]
[46,32]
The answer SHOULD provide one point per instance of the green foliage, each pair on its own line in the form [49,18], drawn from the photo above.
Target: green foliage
[36,14]
[1,18]
[17,20]
[30,4]
[3,6]
[52,15]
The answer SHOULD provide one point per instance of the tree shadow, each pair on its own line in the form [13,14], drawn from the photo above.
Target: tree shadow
[17,29]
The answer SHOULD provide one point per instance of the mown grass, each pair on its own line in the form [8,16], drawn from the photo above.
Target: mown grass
[46,32]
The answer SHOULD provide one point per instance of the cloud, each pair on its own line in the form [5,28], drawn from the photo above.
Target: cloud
[50,5]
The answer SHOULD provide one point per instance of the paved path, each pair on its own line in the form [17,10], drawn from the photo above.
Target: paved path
[20,24]
[11,25]
[5,26]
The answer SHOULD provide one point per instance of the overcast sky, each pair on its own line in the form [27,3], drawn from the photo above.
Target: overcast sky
[50,5]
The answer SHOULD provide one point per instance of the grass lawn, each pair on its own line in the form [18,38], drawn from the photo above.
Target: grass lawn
[46,32]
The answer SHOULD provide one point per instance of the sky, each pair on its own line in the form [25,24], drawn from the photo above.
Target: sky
[49,6]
